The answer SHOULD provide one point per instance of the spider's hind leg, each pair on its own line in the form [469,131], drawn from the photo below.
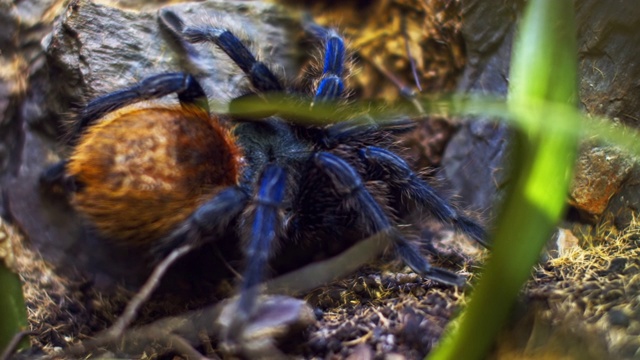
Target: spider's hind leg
[396,172]
[348,183]
[188,89]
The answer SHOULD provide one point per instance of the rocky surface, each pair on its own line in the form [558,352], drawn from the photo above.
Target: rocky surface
[600,172]
[476,158]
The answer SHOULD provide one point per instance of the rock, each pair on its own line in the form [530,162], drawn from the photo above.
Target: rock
[560,244]
[22,26]
[97,49]
[598,175]
[476,158]
[618,317]
[625,204]
[22,89]
[394,356]
[362,352]
[606,34]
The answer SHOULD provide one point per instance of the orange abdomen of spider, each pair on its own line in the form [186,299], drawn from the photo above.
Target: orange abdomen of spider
[142,171]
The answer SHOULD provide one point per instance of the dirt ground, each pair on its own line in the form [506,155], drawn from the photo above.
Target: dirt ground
[580,305]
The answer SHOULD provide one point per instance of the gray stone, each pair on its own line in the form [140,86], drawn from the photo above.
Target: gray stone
[96,49]
[475,161]
[476,158]
[598,175]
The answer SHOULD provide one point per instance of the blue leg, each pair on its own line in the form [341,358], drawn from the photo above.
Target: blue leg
[265,228]
[259,74]
[331,85]
[208,223]
[187,88]
[386,165]
[348,183]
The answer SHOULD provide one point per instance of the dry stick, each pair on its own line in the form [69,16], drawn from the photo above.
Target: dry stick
[178,332]
[405,90]
[145,292]
[204,337]
[13,344]
[161,330]
[181,345]
[412,60]
[116,330]
[323,272]
[295,282]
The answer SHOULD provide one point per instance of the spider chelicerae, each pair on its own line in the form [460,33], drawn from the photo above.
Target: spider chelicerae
[285,193]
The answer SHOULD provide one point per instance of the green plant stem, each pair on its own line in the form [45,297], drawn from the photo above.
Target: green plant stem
[544,69]
[13,312]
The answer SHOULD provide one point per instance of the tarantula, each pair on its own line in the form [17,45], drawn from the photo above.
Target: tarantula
[157,176]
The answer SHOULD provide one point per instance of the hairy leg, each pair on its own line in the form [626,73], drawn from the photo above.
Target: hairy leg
[396,172]
[348,183]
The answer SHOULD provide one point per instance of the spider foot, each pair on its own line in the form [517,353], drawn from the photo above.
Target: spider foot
[474,230]
[412,258]
[444,277]
[54,178]
[274,319]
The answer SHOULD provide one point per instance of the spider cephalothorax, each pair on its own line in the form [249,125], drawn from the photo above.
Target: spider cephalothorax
[155,176]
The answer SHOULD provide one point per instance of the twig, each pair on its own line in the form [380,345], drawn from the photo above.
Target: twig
[412,60]
[13,344]
[130,312]
[405,90]
[323,272]
[116,331]
[182,346]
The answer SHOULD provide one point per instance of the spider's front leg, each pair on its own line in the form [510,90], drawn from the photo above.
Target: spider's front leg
[264,226]
[387,166]
[259,74]
[331,85]
[373,219]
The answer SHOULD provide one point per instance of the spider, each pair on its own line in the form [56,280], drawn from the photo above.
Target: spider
[158,176]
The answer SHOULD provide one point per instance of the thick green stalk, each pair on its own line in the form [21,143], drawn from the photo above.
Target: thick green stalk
[13,312]
[544,70]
